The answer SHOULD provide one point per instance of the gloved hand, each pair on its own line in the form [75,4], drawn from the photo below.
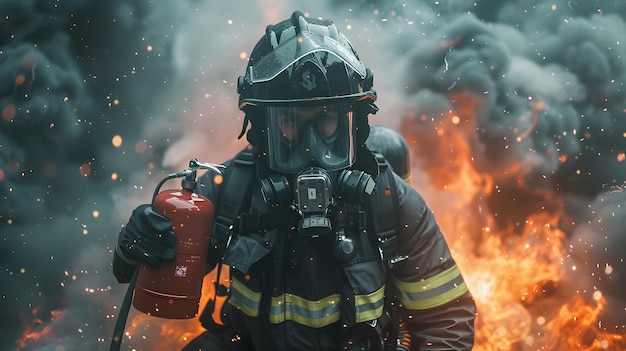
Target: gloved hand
[147,237]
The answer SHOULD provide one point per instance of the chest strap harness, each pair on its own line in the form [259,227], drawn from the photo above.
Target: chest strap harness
[240,180]
[384,206]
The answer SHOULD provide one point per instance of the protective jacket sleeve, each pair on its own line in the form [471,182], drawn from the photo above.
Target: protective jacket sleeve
[434,301]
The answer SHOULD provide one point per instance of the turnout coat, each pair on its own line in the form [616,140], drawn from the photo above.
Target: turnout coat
[293,292]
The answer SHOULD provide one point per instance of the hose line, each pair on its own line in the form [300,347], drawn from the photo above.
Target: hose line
[120,324]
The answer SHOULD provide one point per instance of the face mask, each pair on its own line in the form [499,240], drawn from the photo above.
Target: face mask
[310,136]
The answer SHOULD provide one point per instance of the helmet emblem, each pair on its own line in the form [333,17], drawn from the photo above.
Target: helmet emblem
[308,80]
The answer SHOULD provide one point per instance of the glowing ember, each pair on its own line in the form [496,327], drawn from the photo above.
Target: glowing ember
[8,112]
[85,169]
[117,140]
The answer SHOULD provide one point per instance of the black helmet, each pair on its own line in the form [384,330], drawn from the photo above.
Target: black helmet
[306,66]
[393,147]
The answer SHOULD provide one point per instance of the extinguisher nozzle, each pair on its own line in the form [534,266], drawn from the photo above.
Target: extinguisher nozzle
[180,174]
[195,165]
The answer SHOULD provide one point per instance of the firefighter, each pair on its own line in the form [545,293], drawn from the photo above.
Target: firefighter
[327,248]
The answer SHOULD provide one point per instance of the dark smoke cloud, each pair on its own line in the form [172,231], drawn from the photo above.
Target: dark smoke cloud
[545,82]
[74,73]
[544,79]
[559,78]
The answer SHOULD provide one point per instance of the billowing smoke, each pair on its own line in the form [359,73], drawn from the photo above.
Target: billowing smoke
[76,75]
[536,93]
[100,99]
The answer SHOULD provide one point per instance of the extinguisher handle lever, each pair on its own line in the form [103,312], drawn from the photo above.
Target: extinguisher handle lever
[195,165]
[189,174]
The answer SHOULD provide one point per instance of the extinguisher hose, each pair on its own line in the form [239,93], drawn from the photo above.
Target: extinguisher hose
[120,324]
[170,176]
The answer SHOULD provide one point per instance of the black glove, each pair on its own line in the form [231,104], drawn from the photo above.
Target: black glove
[147,237]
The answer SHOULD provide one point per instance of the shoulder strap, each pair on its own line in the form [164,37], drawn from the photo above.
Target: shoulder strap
[234,197]
[239,181]
[384,205]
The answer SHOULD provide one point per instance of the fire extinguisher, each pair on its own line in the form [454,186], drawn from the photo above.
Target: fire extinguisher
[173,289]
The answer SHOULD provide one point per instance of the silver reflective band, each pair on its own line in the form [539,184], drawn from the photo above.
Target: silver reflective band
[294,49]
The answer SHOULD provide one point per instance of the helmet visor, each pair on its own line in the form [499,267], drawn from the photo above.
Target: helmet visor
[292,50]
[306,136]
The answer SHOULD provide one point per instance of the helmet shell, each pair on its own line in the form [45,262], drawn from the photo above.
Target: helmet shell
[303,61]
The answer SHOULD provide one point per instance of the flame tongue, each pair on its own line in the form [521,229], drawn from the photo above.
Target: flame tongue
[506,229]
[38,332]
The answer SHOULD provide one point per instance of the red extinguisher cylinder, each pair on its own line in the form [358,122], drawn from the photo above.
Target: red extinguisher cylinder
[173,289]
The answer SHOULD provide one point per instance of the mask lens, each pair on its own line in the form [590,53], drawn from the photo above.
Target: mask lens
[300,136]
[327,124]
[294,123]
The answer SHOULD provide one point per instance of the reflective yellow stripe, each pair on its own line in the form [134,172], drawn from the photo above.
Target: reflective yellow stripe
[370,306]
[432,292]
[246,300]
[314,314]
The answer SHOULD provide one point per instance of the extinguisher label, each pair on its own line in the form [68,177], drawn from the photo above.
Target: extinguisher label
[181,271]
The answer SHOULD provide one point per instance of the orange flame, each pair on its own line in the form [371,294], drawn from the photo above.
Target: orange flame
[576,327]
[143,332]
[518,273]
[36,332]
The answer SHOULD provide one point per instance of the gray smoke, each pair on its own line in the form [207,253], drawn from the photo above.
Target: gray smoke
[544,80]
[75,74]
[544,85]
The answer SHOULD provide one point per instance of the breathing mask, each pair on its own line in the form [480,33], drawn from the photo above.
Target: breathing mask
[310,136]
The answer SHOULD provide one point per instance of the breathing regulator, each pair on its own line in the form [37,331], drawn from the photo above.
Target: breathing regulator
[315,196]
